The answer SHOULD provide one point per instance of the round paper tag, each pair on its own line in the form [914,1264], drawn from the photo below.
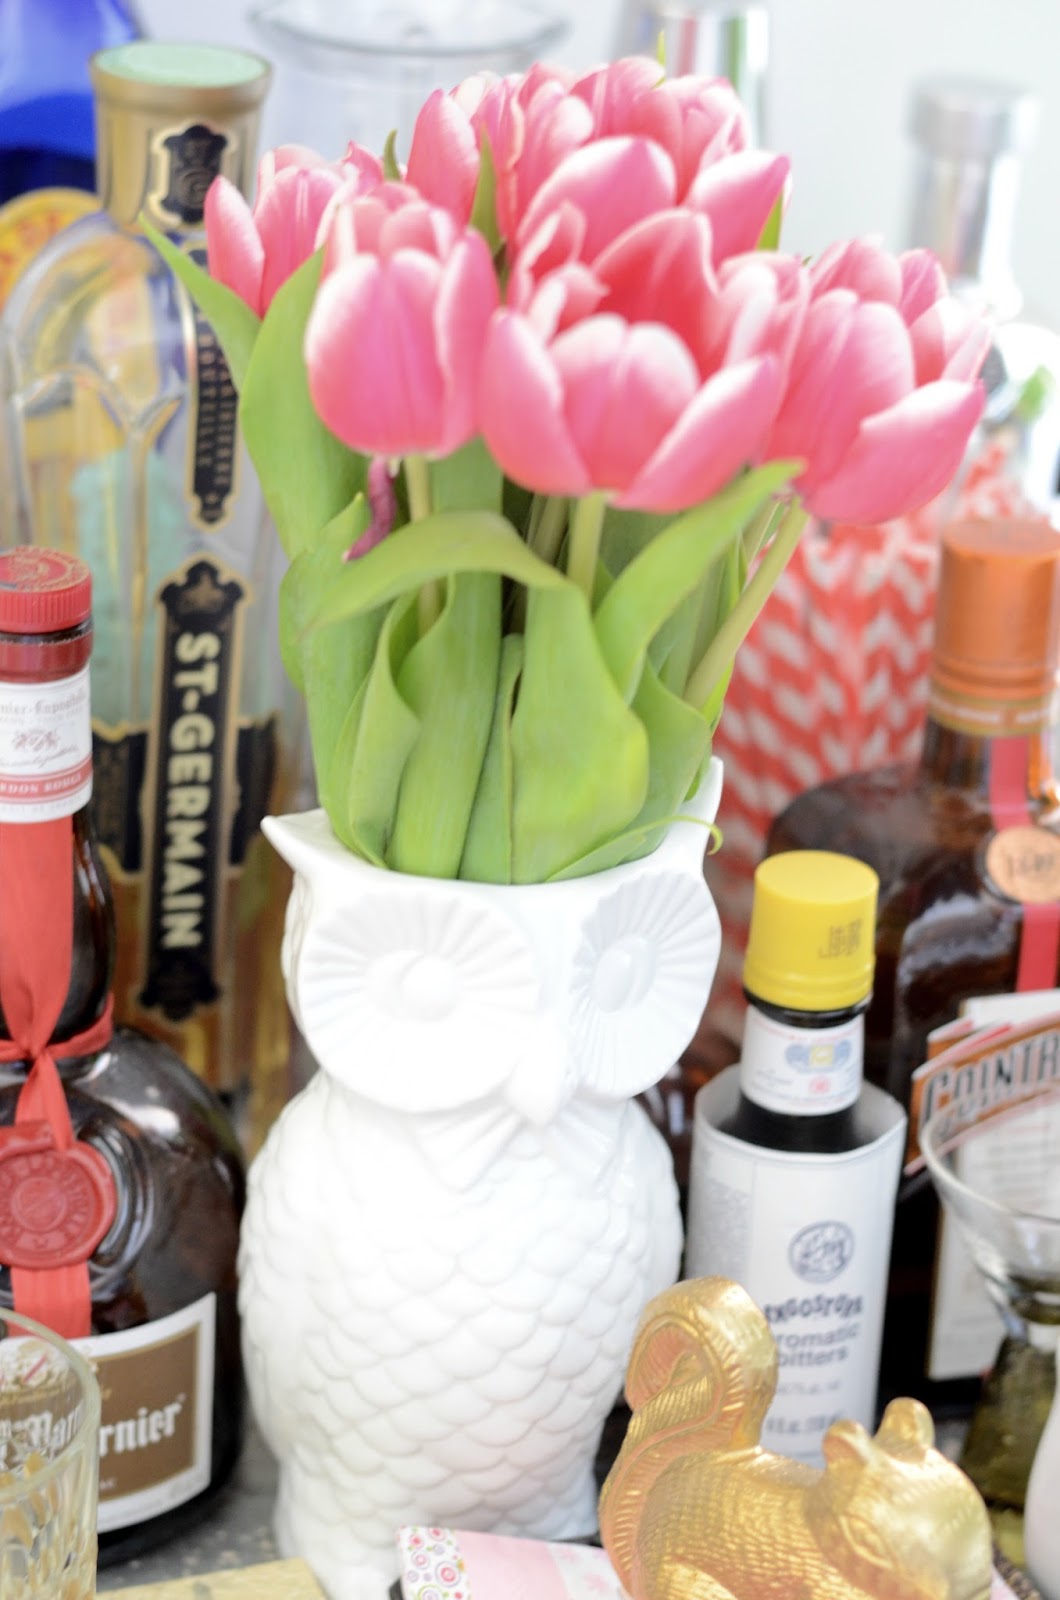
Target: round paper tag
[55,1205]
[1024,864]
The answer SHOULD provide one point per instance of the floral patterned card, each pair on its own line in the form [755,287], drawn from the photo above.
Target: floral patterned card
[440,1564]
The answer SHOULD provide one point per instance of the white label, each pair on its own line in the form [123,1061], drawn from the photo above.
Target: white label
[809,1238]
[806,1072]
[155,1437]
[45,749]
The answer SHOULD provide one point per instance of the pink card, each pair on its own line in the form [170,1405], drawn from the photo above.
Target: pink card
[440,1564]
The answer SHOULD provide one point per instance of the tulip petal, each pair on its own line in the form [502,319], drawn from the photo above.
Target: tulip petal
[370,355]
[467,300]
[613,183]
[737,194]
[443,158]
[660,271]
[923,282]
[861,265]
[287,217]
[948,343]
[521,411]
[721,432]
[234,251]
[902,457]
[624,387]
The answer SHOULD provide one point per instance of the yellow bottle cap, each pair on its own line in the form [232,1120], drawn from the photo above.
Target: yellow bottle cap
[813,931]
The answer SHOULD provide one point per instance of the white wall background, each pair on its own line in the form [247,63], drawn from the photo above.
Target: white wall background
[840,77]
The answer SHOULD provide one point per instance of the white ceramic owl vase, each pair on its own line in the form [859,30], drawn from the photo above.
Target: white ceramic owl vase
[451,1232]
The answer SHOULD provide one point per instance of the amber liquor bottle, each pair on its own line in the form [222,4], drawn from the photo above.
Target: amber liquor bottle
[121,1180]
[966,843]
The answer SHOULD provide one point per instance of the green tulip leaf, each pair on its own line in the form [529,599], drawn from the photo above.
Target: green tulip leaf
[488,851]
[769,238]
[579,754]
[424,552]
[391,165]
[236,326]
[657,580]
[376,739]
[307,475]
[484,205]
[449,680]
[468,480]
[331,664]
[679,743]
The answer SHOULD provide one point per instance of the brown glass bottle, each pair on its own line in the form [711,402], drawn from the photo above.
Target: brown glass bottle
[175,1162]
[947,837]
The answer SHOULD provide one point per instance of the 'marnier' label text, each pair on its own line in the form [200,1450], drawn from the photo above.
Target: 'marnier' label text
[804,1072]
[155,1435]
[189,768]
[45,749]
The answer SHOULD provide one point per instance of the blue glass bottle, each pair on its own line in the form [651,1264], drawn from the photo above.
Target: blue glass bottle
[46,120]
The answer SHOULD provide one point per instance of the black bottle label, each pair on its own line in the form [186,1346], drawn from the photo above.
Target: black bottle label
[190,768]
[178,804]
[189,160]
[213,423]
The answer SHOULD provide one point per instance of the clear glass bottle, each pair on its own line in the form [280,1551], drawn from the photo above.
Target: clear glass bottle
[122,445]
[966,844]
[121,1179]
[971,138]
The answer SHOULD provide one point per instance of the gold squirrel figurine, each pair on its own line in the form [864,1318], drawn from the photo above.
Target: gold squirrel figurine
[695,1509]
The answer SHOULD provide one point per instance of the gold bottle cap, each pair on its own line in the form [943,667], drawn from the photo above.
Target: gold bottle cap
[169,119]
[811,945]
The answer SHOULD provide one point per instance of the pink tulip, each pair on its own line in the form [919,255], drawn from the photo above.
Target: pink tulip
[444,157]
[255,252]
[882,398]
[621,408]
[394,340]
[696,120]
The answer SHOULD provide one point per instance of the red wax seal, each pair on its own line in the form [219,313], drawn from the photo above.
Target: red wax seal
[55,1205]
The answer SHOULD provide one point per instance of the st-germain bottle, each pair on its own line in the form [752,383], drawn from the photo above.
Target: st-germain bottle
[121,1179]
[795,1162]
[967,847]
[123,445]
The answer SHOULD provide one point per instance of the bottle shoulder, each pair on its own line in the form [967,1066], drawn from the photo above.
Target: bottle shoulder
[92,296]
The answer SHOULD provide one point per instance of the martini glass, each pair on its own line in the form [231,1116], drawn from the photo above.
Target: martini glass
[998,1176]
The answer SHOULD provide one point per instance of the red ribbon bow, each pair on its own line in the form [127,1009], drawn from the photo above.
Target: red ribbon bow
[57,1195]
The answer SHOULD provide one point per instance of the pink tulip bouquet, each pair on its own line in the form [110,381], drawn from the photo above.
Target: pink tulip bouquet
[540,416]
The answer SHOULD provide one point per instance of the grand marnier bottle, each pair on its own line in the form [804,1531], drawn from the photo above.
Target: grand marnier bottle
[966,844]
[122,445]
[121,1180]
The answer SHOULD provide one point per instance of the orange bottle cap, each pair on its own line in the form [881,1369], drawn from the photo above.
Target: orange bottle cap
[997,622]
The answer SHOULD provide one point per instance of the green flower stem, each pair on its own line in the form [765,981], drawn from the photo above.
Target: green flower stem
[758,530]
[737,625]
[583,548]
[418,484]
[548,527]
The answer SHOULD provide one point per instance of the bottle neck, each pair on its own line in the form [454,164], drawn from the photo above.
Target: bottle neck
[159,165]
[46,781]
[1001,750]
[964,211]
[801,1063]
